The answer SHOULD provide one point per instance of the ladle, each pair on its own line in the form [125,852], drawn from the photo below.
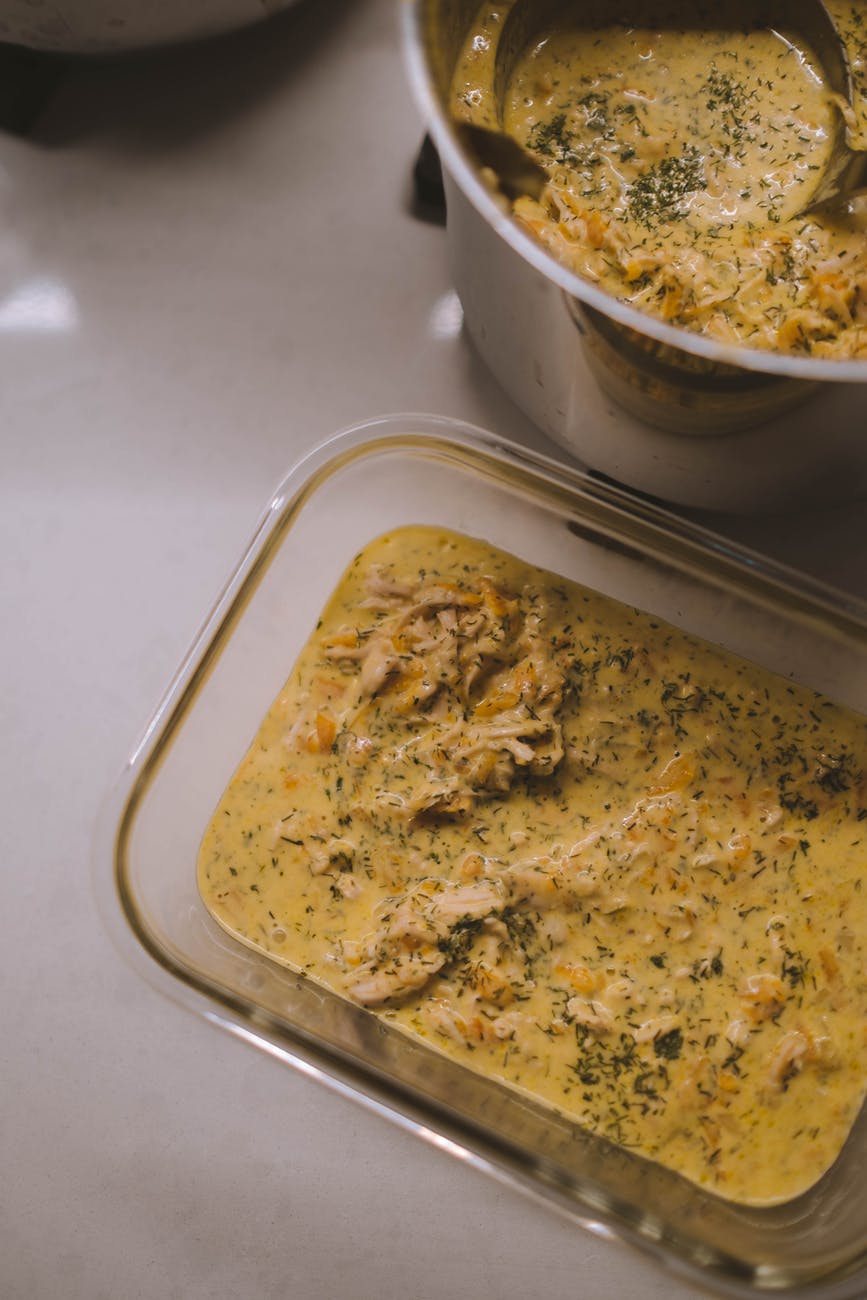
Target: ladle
[842,178]
[517,172]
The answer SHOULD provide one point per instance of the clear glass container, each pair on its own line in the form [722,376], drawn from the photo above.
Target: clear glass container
[422,470]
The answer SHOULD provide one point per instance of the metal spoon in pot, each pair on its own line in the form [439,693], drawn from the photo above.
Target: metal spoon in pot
[516,170]
[842,179]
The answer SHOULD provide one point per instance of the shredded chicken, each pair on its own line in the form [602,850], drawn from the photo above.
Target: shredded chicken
[418,936]
[475,676]
[421,931]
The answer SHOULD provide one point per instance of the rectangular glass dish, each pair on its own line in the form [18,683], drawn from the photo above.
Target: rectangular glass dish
[420,470]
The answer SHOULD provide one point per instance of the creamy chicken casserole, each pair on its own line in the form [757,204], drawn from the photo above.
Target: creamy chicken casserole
[575,849]
[680,165]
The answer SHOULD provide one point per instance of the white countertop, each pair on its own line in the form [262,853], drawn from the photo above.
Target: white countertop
[206,266]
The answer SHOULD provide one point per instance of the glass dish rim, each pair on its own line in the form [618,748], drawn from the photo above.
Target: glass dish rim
[691,547]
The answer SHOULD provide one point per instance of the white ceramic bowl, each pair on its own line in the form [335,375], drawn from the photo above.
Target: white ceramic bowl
[109,26]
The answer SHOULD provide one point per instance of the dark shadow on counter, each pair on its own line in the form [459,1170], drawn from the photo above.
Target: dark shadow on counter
[165,99]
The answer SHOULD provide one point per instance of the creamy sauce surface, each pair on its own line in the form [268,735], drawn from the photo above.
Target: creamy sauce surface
[573,848]
[680,163]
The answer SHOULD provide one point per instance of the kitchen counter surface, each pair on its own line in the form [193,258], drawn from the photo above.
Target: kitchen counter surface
[207,265]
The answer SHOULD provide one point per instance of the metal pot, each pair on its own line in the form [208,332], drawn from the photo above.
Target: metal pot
[688,408]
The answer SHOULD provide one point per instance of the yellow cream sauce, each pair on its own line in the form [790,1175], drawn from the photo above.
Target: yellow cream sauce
[680,163]
[573,848]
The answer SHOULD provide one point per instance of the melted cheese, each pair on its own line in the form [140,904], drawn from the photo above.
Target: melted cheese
[572,847]
[680,162]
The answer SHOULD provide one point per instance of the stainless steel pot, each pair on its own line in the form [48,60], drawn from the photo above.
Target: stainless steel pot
[548,334]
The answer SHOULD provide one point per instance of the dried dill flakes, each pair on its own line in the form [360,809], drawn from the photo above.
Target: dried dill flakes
[727,98]
[838,772]
[596,108]
[458,942]
[795,968]
[555,140]
[724,91]
[669,1046]
[660,192]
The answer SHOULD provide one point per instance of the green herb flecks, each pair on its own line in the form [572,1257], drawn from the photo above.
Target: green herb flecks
[724,91]
[727,99]
[556,141]
[669,1046]
[660,193]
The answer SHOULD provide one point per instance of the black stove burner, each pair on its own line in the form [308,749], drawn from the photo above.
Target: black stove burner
[28,79]
[429,200]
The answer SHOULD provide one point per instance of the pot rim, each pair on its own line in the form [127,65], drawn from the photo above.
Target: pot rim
[457,162]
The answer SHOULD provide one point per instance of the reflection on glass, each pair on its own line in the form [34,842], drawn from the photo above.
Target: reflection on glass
[446,317]
[443,1143]
[39,305]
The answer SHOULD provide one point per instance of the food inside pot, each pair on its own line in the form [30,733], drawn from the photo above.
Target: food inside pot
[573,848]
[681,160]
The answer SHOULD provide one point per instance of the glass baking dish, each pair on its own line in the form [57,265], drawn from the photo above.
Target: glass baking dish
[423,470]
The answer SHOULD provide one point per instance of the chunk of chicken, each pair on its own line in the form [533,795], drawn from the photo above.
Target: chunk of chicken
[419,936]
[474,674]
[424,929]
